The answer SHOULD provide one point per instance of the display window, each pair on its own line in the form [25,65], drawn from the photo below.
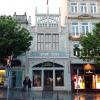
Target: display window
[2,77]
[97,81]
[86,82]
[79,82]
[59,76]
[37,78]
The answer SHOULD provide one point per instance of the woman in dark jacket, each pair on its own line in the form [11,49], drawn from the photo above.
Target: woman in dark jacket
[25,83]
[29,84]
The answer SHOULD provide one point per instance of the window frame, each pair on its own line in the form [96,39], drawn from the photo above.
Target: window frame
[83,8]
[75,29]
[74,7]
[85,28]
[93,8]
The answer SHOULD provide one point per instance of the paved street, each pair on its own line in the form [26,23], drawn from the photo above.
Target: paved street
[46,95]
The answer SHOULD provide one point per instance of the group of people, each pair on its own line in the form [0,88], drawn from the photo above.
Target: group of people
[27,84]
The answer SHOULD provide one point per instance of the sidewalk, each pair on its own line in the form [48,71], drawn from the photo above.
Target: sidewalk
[34,95]
[18,94]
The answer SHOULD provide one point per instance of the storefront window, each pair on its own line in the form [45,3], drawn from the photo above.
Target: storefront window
[97,81]
[79,82]
[2,77]
[37,78]
[59,76]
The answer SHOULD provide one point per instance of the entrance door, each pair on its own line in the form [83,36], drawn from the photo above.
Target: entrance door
[88,81]
[48,80]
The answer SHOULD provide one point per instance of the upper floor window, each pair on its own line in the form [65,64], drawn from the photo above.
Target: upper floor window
[75,29]
[83,8]
[47,41]
[93,8]
[76,50]
[85,28]
[74,7]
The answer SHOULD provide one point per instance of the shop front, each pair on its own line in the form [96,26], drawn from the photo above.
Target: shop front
[48,76]
[2,77]
[15,76]
[85,77]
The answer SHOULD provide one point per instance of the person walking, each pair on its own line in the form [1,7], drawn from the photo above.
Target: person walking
[29,87]
[25,83]
[29,84]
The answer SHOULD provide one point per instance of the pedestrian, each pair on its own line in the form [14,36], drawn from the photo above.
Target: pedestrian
[29,84]
[25,83]
[29,87]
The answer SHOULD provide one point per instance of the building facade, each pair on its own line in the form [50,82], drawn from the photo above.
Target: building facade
[81,18]
[48,58]
[51,62]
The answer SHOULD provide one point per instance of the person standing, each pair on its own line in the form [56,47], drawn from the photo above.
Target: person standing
[29,84]
[29,87]
[25,83]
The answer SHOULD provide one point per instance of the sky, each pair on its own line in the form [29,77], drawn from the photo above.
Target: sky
[8,7]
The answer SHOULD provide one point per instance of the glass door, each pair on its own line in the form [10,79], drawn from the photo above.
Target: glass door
[88,81]
[48,80]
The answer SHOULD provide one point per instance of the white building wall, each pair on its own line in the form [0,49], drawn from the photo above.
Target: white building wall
[60,56]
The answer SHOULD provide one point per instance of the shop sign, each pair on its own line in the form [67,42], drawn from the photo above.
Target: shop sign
[89,72]
[48,54]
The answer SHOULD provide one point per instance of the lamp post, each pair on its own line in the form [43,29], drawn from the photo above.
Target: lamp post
[8,68]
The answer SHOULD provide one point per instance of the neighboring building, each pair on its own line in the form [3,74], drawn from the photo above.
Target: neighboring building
[82,15]
[48,59]
[18,68]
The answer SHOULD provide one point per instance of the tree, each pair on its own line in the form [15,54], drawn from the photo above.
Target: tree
[14,39]
[91,45]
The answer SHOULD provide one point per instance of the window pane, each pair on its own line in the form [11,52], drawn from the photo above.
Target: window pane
[57,46]
[75,29]
[39,46]
[46,46]
[37,78]
[40,41]
[59,76]
[53,46]
[85,28]
[93,8]
[42,38]
[48,41]
[50,46]
[57,38]
[73,7]
[42,46]
[83,8]
[53,38]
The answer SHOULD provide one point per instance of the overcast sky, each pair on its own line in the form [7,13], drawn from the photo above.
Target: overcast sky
[8,7]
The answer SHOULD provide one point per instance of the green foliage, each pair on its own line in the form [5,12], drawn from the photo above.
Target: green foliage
[14,39]
[91,45]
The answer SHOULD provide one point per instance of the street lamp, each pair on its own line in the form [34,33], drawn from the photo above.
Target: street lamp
[8,68]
